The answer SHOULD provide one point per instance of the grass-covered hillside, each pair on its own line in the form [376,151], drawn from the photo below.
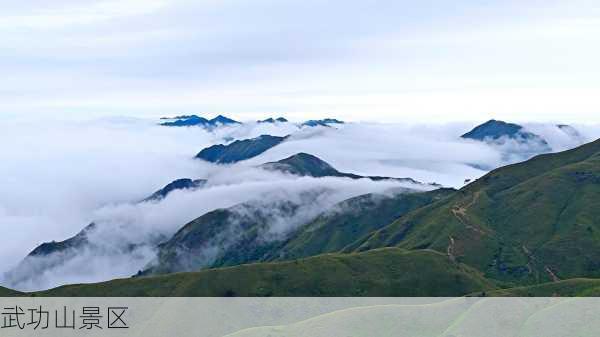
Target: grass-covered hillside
[233,236]
[382,272]
[529,229]
[571,287]
[526,223]
[4,292]
[352,220]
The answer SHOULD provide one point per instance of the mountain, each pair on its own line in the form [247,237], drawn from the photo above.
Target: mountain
[384,272]
[253,222]
[304,164]
[322,122]
[235,235]
[494,130]
[244,233]
[351,220]
[239,150]
[179,184]
[186,120]
[74,242]
[531,228]
[193,120]
[178,117]
[80,239]
[48,255]
[51,254]
[532,222]
[5,292]
[222,120]
[271,120]
[223,237]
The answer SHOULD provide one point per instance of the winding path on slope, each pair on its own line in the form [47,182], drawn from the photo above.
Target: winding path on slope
[460,213]
[532,258]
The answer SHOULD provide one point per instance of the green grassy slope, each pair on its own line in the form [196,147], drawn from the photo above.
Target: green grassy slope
[531,222]
[383,272]
[5,292]
[571,287]
[534,226]
[238,231]
[351,220]
[223,237]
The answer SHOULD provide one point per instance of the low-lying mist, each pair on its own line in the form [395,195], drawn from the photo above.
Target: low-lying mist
[125,235]
[59,176]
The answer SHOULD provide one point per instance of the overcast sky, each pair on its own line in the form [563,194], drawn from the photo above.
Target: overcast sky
[388,60]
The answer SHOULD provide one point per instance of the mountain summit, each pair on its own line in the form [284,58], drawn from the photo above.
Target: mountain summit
[193,120]
[519,226]
[179,184]
[220,119]
[239,150]
[494,130]
[273,120]
[322,122]
[304,164]
[531,222]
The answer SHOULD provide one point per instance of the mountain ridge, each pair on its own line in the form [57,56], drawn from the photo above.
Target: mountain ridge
[304,164]
[486,226]
[384,272]
[532,227]
[239,150]
[499,132]
[326,122]
[176,185]
[194,120]
[236,235]
[272,120]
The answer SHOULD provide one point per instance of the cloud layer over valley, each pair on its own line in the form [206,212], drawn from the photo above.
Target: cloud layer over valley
[57,177]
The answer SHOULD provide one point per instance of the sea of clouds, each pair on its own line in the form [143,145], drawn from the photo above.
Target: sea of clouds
[59,176]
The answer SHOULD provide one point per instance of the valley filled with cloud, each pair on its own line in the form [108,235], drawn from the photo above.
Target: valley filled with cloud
[59,177]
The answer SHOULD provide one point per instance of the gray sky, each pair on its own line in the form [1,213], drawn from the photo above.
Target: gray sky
[358,60]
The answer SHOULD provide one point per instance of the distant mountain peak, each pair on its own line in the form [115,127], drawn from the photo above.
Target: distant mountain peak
[223,120]
[179,184]
[194,120]
[185,120]
[76,241]
[273,120]
[179,117]
[305,158]
[494,130]
[322,122]
[303,164]
[239,150]
[302,156]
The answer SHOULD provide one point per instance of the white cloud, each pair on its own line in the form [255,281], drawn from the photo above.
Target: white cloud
[461,61]
[59,176]
[75,14]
